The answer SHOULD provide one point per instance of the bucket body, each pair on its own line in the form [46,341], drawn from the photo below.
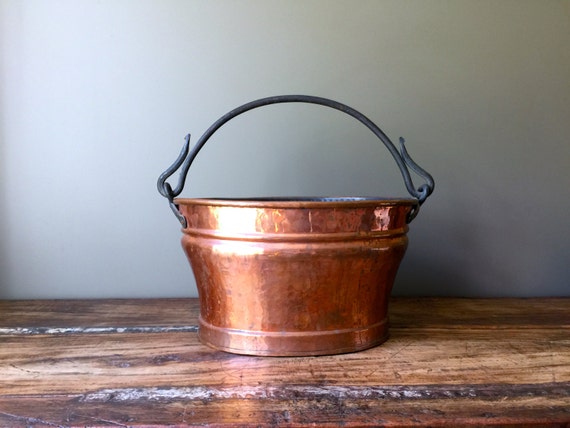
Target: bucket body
[294,277]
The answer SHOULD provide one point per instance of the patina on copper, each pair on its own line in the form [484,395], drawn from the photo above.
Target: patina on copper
[295,277]
[303,276]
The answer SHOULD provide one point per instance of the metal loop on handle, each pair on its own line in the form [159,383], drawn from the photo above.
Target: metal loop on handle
[187,156]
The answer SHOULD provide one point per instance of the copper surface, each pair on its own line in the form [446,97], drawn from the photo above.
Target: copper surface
[285,278]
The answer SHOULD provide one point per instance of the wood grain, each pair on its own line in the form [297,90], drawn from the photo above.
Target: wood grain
[41,314]
[416,313]
[497,362]
[294,411]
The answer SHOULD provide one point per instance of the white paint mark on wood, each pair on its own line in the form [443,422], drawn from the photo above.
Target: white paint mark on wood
[310,392]
[31,331]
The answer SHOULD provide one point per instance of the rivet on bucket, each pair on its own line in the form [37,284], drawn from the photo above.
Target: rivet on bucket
[302,276]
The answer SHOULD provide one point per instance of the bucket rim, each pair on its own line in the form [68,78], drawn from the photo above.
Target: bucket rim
[299,202]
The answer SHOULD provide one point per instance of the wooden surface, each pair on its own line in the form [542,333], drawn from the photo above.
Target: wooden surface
[456,362]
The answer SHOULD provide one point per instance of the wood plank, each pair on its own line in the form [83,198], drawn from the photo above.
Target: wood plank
[76,364]
[500,362]
[294,409]
[487,313]
[40,315]
[45,316]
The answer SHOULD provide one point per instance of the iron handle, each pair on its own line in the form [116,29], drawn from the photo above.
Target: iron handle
[187,155]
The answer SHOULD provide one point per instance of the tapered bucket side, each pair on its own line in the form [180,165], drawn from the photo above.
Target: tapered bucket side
[296,278]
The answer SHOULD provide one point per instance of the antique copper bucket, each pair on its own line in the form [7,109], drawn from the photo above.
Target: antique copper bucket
[297,276]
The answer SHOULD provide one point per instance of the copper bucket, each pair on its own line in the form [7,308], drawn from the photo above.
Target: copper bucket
[301,276]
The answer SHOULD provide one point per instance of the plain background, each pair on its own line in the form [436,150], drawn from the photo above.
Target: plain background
[96,97]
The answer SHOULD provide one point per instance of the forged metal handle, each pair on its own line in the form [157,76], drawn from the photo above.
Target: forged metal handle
[187,156]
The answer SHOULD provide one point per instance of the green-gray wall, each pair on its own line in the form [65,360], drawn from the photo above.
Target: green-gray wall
[96,97]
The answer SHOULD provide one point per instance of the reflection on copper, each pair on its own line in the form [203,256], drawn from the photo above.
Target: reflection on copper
[294,277]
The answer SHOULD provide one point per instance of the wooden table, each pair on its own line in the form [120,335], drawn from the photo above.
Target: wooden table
[456,362]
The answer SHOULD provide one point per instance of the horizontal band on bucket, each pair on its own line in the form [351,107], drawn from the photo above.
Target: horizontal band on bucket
[293,343]
[336,332]
[297,237]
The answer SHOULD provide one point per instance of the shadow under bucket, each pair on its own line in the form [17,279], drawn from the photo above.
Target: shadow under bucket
[300,276]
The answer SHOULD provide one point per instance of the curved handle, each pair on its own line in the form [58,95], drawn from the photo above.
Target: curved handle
[187,156]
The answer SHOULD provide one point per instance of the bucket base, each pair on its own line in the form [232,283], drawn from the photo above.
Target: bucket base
[290,344]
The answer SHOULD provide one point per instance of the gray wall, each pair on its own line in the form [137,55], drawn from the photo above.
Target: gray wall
[96,97]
